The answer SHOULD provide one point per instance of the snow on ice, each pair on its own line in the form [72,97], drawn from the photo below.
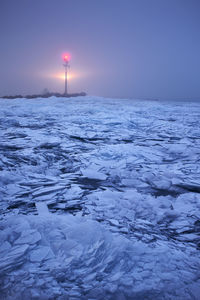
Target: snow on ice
[99,199]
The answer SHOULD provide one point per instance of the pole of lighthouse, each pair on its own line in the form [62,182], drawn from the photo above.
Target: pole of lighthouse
[66,58]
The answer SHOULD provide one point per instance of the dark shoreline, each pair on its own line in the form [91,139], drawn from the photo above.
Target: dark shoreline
[45,96]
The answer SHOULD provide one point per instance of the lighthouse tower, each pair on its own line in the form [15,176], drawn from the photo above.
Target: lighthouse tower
[66,58]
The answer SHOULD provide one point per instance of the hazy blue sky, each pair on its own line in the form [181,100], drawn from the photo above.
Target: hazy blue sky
[119,48]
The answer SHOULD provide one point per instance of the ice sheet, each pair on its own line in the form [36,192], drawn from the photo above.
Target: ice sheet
[99,199]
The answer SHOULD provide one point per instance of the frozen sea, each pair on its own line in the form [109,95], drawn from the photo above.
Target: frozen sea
[100,199]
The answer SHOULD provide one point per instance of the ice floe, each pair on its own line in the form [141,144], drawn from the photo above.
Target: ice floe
[100,199]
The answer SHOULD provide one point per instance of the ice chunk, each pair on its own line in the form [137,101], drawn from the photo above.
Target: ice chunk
[114,222]
[40,254]
[5,246]
[93,174]
[13,258]
[29,237]
[47,190]
[42,208]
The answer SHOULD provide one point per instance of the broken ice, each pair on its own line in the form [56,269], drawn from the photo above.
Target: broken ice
[99,199]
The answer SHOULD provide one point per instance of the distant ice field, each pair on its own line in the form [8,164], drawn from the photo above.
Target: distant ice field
[99,199]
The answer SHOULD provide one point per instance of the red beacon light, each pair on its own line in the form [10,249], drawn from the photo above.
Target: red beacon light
[66,57]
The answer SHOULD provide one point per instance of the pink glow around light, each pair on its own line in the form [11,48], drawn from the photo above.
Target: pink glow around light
[66,57]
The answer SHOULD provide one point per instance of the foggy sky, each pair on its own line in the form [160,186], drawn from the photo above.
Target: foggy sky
[119,48]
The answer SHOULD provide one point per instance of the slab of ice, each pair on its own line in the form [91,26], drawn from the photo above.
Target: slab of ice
[47,190]
[28,237]
[42,208]
[13,258]
[41,253]
[93,174]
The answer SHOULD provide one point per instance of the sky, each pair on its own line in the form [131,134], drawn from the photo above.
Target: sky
[119,48]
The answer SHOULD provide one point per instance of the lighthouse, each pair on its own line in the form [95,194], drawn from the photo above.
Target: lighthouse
[66,58]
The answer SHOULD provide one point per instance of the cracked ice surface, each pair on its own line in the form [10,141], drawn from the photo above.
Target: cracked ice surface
[99,199]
